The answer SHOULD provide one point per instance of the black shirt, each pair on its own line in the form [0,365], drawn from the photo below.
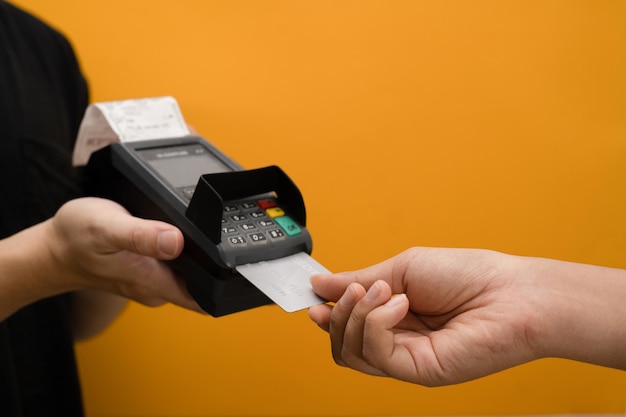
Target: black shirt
[43,96]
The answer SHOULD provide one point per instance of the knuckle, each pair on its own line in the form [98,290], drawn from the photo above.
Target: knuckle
[137,240]
[337,357]
[358,316]
[348,356]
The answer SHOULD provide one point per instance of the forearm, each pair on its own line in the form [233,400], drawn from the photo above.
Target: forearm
[93,311]
[26,272]
[583,312]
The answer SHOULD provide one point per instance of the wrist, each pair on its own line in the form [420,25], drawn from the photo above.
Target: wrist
[581,311]
[27,270]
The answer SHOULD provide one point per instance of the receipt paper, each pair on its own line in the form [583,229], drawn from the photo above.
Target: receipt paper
[286,280]
[111,122]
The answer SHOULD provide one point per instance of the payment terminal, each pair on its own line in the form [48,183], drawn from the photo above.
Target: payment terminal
[229,216]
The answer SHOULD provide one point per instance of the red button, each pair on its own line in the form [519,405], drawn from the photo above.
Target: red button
[266,203]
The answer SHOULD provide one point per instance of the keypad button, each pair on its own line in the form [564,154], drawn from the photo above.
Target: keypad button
[229,230]
[188,192]
[257,214]
[288,225]
[238,217]
[274,212]
[230,208]
[266,203]
[257,238]
[276,234]
[266,223]
[249,205]
[248,226]
[237,241]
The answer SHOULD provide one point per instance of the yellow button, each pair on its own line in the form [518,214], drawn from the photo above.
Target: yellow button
[275,212]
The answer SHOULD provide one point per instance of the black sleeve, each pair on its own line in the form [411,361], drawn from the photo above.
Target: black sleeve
[43,96]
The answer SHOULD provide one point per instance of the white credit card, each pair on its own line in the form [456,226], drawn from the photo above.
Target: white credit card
[286,280]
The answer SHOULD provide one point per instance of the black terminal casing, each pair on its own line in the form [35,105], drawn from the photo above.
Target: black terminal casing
[207,264]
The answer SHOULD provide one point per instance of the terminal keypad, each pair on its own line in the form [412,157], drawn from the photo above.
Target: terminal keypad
[256,222]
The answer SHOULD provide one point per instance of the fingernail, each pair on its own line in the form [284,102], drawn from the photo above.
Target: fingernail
[395,300]
[373,292]
[167,243]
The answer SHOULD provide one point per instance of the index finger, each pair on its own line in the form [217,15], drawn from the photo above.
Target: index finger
[332,286]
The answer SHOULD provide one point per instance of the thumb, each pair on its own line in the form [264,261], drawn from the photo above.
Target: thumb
[169,244]
[332,286]
[145,237]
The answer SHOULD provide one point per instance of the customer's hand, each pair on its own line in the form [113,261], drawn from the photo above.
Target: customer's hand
[462,314]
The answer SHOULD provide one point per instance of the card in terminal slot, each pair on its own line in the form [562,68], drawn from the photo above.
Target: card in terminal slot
[286,280]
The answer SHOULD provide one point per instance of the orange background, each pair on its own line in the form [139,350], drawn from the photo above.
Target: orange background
[498,124]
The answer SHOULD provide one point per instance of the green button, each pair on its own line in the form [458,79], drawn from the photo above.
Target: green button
[288,225]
